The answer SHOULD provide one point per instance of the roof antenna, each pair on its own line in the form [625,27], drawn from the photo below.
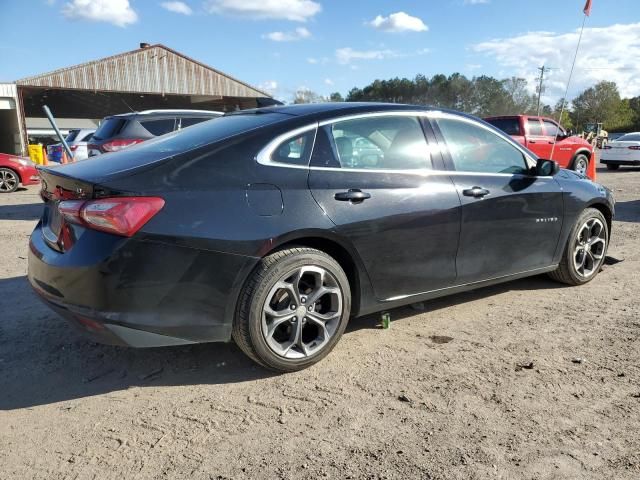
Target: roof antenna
[127,105]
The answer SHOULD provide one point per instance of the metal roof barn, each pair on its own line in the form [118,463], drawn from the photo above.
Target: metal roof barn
[151,77]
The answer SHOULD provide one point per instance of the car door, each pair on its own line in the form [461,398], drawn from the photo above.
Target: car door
[511,219]
[563,149]
[536,139]
[375,178]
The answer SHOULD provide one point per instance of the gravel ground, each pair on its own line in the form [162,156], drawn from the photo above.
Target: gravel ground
[529,379]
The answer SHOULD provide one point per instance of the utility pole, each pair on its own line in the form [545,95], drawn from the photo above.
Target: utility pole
[542,70]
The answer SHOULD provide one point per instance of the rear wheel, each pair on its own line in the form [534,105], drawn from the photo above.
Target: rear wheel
[612,166]
[585,250]
[581,164]
[9,180]
[293,310]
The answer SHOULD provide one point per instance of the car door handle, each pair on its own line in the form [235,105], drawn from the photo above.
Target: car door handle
[476,192]
[353,195]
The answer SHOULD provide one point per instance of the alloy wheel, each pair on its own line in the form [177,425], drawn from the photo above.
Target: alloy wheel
[302,312]
[590,247]
[581,165]
[8,181]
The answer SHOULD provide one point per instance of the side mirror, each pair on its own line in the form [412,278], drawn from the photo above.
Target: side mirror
[547,168]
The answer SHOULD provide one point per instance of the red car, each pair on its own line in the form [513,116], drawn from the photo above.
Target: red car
[15,171]
[538,134]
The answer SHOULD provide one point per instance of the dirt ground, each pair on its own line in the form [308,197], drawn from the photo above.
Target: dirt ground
[407,402]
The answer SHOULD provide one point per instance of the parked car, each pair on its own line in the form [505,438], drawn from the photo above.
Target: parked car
[254,227]
[15,171]
[539,134]
[625,150]
[122,131]
[78,141]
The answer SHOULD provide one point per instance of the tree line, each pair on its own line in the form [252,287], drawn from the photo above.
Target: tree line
[485,96]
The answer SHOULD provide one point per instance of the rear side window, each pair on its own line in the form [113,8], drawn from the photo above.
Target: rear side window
[187,122]
[476,149]
[87,137]
[159,127]
[109,128]
[294,151]
[534,127]
[510,126]
[393,142]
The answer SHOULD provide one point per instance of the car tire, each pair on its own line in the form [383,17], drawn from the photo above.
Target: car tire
[580,164]
[9,180]
[583,257]
[293,309]
[612,166]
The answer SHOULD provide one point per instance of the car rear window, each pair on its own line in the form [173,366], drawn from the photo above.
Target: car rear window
[109,127]
[187,122]
[87,137]
[510,126]
[630,137]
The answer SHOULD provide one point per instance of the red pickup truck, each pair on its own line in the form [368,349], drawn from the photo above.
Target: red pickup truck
[538,135]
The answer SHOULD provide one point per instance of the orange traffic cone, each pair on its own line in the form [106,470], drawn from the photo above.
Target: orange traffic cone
[591,169]
[45,160]
[64,159]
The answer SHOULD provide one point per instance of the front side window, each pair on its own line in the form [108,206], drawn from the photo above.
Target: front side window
[380,142]
[551,128]
[476,149]
[294,151]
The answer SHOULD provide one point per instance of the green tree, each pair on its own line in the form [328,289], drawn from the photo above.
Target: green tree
[336,97]
[602,103]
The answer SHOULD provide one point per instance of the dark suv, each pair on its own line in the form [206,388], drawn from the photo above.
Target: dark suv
[122,131]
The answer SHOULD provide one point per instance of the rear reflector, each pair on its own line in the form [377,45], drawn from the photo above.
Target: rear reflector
[607,147]
[118,215]
[634,147]
[115,145]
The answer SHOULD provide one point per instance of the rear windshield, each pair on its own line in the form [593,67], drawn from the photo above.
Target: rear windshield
[629,137]
[109,127]
[72,136]
[510,126]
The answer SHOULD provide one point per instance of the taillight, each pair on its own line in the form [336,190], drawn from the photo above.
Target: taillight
[73,148]
[118,215]
[634,147]
[119,144]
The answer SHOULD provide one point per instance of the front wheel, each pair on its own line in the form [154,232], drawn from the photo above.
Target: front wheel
[585,249]
[293,309]
[9,180]
[581,164]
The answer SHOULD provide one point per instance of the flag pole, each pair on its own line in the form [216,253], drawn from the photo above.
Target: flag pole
[575,57]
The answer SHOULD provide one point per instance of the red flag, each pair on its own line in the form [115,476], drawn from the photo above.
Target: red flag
[587,8]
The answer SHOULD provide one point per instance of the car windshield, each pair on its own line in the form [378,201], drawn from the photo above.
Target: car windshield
[629,137]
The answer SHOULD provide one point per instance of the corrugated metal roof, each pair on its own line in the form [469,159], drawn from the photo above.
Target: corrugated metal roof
[155,69]
[7,90]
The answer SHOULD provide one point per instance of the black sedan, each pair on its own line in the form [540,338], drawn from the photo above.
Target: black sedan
[271,228]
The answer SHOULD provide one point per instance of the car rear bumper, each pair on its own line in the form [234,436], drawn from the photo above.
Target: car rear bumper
[607,161]
[139,293]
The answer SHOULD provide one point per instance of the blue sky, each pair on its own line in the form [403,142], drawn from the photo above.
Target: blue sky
[327,45]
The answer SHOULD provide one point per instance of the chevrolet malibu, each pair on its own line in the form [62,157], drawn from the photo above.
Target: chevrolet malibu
[273,227]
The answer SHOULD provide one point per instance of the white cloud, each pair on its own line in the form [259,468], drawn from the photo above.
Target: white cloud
[476,2]
[346,55]
[312,60]
[294,10]
[398,22]
[177,7]
[298,34]
[328,81]
[117,12]
[270,87]
[607,53]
